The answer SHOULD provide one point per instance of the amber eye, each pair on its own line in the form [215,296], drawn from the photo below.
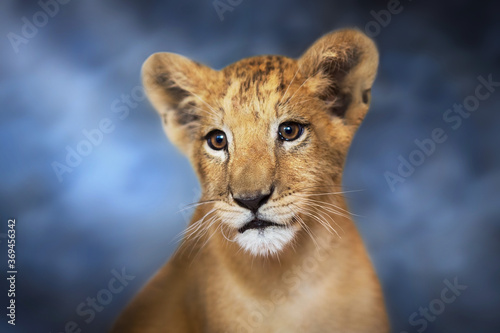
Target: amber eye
[290,131]
[217,140]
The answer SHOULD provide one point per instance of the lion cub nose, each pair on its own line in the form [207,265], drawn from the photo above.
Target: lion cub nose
[252,202]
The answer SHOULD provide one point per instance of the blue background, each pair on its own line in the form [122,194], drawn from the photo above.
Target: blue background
[119,208]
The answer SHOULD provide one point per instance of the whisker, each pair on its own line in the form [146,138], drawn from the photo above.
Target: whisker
[198,237]
[330,186]
[215,113]
[309,231]
[211,115]
[196,204]
[205,230]
[298,89]
[310,212]
[199,233]
[208,239]
[305,227]
[330,218]
[289,85]
[331,207]
[196,225]
[326,225]
[343,212]
[222,231]
[192,232]
[329,193]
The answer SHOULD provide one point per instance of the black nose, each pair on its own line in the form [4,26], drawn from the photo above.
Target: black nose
[252,202]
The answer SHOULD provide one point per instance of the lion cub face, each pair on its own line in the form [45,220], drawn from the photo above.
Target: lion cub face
[267,135]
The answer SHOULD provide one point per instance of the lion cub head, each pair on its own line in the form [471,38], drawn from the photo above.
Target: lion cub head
[266,135]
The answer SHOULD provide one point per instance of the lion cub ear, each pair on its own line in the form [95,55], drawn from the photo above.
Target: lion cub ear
[174,84]
[345,63]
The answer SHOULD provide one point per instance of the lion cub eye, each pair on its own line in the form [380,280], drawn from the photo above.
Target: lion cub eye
[217,140]
[290,131]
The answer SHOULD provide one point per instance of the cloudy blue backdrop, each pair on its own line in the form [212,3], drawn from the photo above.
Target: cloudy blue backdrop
[118,207]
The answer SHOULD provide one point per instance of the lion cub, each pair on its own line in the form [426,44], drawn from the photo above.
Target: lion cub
[271,246]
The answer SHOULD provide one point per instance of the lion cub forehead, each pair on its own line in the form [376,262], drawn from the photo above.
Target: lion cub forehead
[257,85]
[258,68]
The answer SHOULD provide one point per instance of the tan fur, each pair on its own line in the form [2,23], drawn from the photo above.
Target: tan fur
[322,280]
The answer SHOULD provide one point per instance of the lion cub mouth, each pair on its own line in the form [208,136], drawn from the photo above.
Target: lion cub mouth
[258,224]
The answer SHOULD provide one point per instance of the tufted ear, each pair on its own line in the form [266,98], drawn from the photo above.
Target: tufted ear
[175,85]
[345,63]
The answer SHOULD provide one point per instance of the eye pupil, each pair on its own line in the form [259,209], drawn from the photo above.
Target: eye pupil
[216,140]
[290,131]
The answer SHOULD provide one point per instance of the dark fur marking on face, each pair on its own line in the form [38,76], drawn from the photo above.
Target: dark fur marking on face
[269,67]
[240,73]
[276,107]
[245,86]
[257,76]
[301,145]
[184,117]
[213,158]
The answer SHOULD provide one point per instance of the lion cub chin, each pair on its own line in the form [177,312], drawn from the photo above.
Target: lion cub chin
[271,246]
